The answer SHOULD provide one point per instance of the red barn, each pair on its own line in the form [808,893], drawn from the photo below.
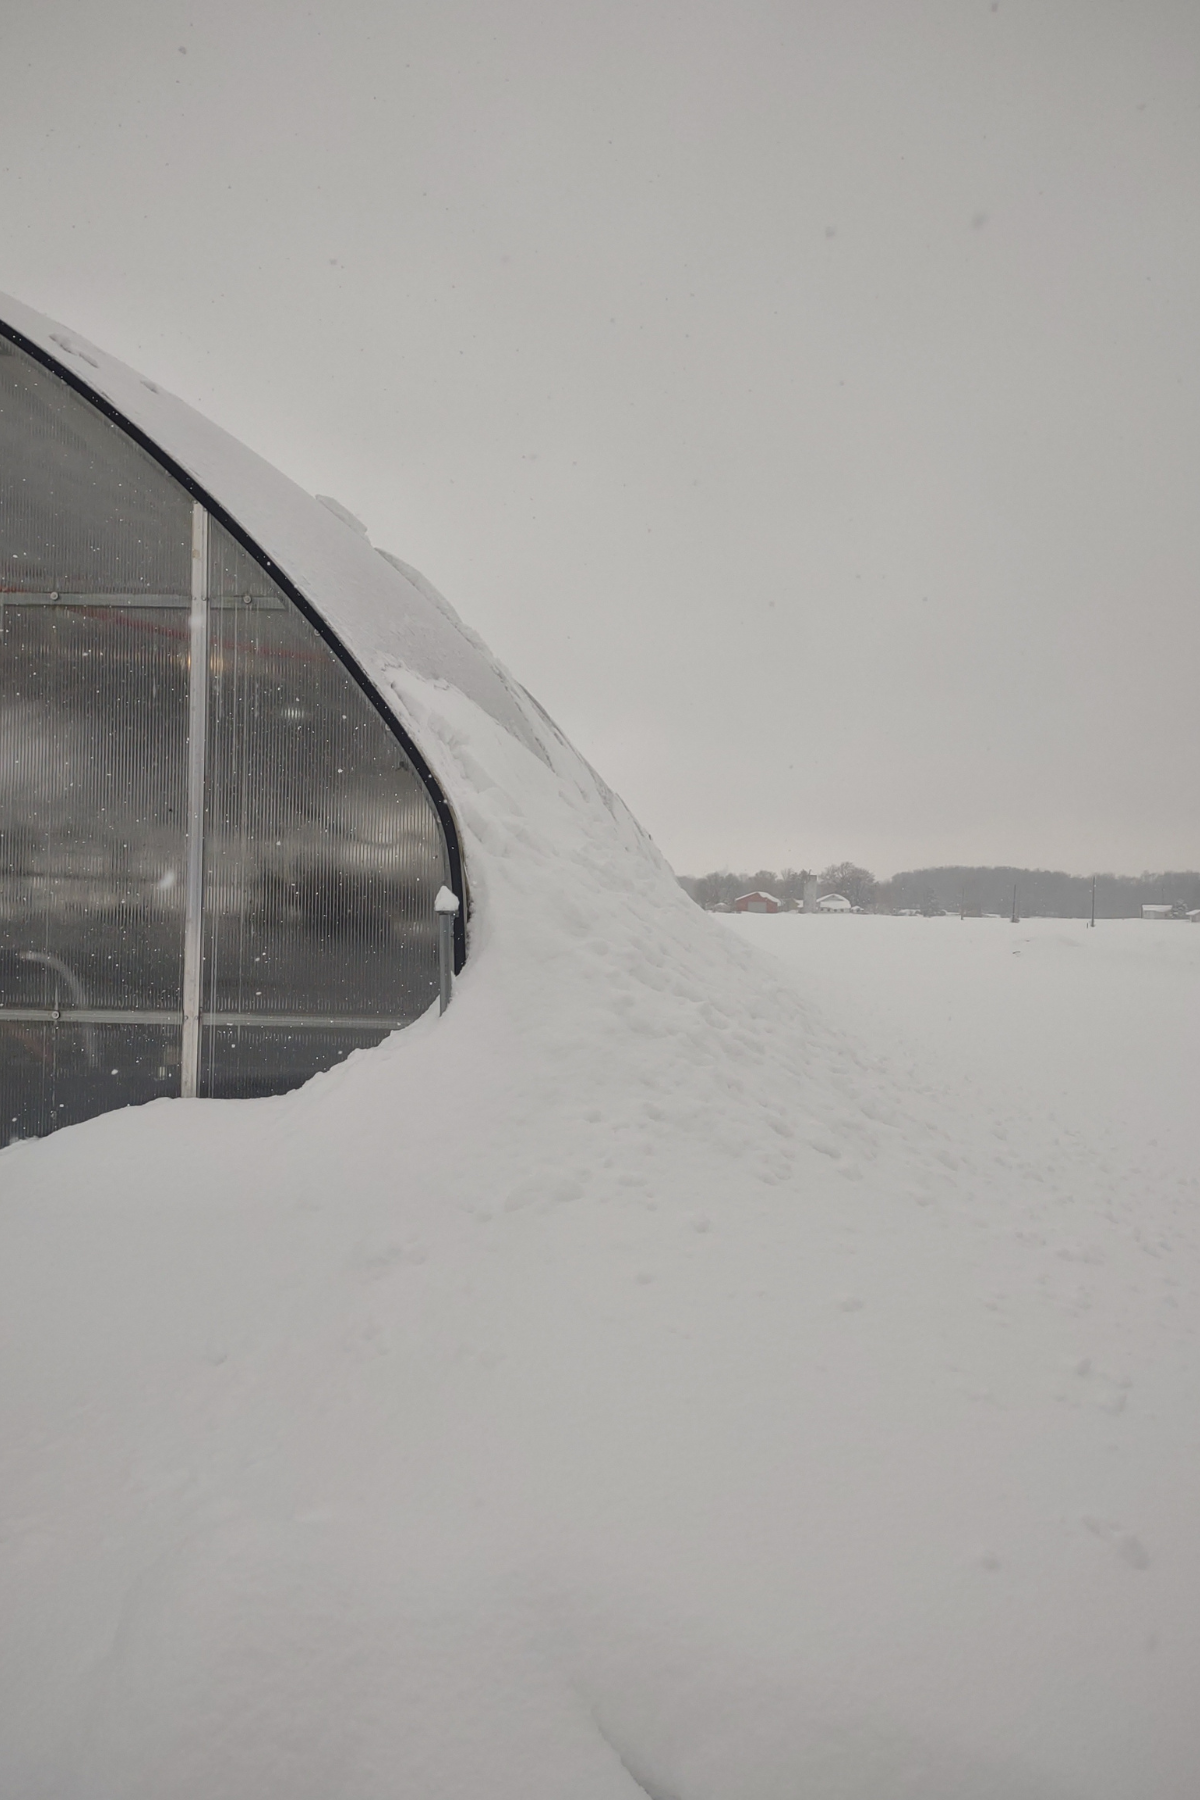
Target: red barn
[757,902]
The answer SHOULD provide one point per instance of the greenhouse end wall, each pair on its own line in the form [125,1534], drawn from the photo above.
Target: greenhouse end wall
[218,859]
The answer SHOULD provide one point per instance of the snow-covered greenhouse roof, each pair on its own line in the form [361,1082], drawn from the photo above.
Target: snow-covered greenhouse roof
[382,611]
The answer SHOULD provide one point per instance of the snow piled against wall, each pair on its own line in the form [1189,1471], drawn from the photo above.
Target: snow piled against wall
[624,1385]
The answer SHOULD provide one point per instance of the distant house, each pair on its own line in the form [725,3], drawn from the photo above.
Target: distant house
[758,901]
[1157,912]
[834,903]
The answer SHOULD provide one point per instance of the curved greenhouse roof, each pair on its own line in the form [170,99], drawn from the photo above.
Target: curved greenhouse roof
[229,801]
[227,812]
[381,610]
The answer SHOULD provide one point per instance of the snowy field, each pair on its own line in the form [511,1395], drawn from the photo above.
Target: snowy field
[720,1360]
[1090,1036]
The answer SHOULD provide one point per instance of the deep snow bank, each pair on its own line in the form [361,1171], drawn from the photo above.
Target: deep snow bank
[625,1384]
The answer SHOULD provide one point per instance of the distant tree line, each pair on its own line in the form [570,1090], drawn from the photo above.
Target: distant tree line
[722,887]
[1046,893]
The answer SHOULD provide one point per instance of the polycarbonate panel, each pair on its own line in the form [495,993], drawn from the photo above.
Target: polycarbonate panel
[323,852]
[92,740]
[244,1062]
[233,573]
[83,508]
[55,1075]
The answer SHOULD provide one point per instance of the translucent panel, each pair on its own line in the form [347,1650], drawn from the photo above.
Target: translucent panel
[242,1062]
[320,847]
[83,509]
[92,787]
[54,1075]
[233,573]
[323,852]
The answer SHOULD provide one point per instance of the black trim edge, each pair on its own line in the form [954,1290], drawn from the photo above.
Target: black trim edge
[322,626]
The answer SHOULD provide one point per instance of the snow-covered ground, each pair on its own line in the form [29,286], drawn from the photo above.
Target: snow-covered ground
[1095,1032]
[680,1370]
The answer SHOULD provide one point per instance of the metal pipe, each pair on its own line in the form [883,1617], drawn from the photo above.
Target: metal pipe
[446,907]
[193,944]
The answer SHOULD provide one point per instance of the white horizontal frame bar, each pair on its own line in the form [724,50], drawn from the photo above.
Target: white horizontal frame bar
[96,1015]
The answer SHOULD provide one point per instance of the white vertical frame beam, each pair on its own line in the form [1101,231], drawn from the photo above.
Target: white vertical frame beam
[193,943]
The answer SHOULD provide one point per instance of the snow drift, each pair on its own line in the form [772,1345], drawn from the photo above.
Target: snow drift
[626,1384]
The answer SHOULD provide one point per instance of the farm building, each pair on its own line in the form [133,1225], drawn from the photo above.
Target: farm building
[758,902]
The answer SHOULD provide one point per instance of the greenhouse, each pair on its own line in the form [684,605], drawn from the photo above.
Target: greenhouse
[221,846]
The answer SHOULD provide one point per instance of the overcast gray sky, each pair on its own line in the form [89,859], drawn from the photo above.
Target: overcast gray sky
[802,399]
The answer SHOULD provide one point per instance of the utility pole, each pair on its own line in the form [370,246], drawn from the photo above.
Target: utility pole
[1092,920]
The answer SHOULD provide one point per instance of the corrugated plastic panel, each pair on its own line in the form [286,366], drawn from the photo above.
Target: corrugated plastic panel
[55,1075]
[83,509]
[323,851]
[241,1063]
[92,728]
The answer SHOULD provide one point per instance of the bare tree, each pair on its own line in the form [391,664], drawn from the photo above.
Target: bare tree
[858,885]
